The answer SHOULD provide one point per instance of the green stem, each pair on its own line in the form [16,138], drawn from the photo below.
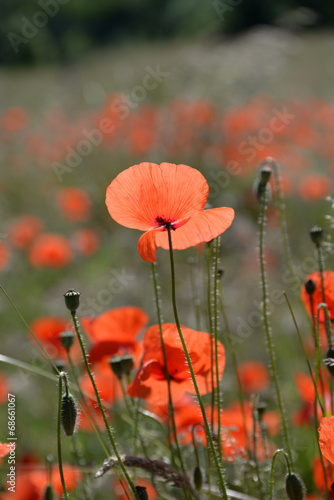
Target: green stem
[267,326]
[194,293]
[193,378]
[111,438]
[60,460]
[210,324]
[235,367]
[215,331]
[272,469]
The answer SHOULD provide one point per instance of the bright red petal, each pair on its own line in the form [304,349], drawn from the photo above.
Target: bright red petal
[203,227]
[146,191]
[326,438]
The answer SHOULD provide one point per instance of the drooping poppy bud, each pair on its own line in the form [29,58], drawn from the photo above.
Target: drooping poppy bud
[69,413]
[294,487]
[48,495]
[329,361]
[60,365]
[121,365]
[198,477]
[72,300]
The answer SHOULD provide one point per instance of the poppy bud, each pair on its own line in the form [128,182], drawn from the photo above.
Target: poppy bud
[294,487]
[69,413]
[48,495]
[72,300]
[121,365]
[310,287]
[329,361]
[141,492]
[316,233]
[261,408]
[261,185]
[60,365]
[67,339]
[332,487]
[198,477]
[220,273]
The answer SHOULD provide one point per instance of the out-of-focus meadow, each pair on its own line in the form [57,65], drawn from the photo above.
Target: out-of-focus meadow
[220,105]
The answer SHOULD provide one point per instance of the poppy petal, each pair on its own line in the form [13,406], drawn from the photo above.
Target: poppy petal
[203,227]
[142,193]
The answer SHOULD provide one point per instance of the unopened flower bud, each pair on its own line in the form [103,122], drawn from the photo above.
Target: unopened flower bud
[69,413]
[48,495]
[316,233]
[60,365]
[261,184]
[310,286]
[72,300]
[67,339]
[329,361]
[261,407]
[141,492]
[198,478]
[122,365]
[294,487]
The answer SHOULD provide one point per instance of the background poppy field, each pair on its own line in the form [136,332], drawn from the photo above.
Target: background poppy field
[221,106]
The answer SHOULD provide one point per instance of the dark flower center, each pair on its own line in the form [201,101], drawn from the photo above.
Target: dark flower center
[162,222]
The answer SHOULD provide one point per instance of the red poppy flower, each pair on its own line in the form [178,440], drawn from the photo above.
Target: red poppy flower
[24,230]
[74,203]
[86,241]
[315,187]
[150,381]
[51,250]
[115,332]
[317,294]
[4,255]
[254,376]
[318,476]
[149,196]
[326,438]
[48,329]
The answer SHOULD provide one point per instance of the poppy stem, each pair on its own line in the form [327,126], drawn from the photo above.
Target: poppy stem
[267,325]
[235,367]
[272,469]
[60,459]
[216,459]
[208,254]
[215,331]
[171,417]
[111,438]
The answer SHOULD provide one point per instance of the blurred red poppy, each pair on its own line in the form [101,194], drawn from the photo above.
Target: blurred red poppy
[74,203]
[150,381]
[254,376]
[315,187]
[149,196]
[24,230]
[318,476]
[317,295]
[50,250]
[48,329]
[86,241]
[4,255]
[115,332]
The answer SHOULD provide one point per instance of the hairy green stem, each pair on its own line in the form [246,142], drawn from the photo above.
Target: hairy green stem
[267,326]
[272,470]
[215,331]
[193,378]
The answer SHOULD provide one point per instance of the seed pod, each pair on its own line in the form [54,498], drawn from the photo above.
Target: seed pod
[294,487]
[141,492]
[316,233]
[69,413]
[67,339]
[48,495]
[72,300]
[198,477]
